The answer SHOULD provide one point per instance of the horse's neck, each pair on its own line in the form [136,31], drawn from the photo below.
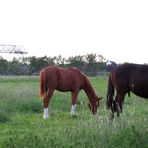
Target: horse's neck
[89,90]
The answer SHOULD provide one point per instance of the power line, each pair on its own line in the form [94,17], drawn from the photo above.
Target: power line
[12,49]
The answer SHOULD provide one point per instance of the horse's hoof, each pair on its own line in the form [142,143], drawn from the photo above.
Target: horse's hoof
[110,121]
[45,117]
[74,116]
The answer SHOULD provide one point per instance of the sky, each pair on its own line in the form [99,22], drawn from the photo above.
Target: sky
[116,29]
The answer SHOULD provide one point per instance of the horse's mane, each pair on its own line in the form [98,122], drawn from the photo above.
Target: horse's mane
[89,89]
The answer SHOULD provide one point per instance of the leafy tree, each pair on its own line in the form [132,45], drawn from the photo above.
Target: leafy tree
[91,67]
[14,66]
[77,61]
[110,65]
[90,64]
[59,60]
[3,66]
[36,64]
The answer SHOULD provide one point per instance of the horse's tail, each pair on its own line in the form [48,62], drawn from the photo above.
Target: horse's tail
[43,89]
[110,92]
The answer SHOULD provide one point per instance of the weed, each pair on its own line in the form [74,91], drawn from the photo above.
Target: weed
[3,117]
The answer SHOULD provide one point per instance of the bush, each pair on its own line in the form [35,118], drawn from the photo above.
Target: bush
[3,117]
[30,106]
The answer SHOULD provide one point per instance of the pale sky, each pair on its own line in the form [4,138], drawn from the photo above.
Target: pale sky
[116,29]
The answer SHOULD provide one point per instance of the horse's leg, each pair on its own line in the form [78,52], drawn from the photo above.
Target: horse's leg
[46,102]
[121,109]
[111,117]
[120,101]
[112,111]
[74,95]
[117,99]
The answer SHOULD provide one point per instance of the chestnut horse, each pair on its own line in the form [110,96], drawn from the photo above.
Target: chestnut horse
[126,78]
[66,79]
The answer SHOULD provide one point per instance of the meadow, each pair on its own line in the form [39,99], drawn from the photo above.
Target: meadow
[22,125]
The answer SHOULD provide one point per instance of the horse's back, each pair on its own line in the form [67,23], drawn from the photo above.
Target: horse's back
[51,76]
[120,78]
[64,79]
[132,77]
[139,80]
[72,77]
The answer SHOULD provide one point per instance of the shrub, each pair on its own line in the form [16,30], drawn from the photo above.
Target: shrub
[3,117]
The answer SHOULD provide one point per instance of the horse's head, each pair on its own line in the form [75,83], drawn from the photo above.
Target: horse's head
[93,105]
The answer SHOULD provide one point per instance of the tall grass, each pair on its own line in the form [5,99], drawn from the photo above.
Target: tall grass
[21,123]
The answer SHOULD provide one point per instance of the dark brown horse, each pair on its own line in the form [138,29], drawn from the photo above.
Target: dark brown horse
[66,79]
[126,78]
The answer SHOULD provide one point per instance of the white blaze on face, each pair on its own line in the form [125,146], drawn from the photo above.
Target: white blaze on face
[45,114]
[73,109]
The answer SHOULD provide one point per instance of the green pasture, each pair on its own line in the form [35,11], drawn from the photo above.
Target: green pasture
[22,125]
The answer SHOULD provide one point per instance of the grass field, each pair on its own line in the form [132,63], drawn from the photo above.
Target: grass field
[22,125]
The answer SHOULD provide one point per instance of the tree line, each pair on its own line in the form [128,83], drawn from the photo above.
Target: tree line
[90,64]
